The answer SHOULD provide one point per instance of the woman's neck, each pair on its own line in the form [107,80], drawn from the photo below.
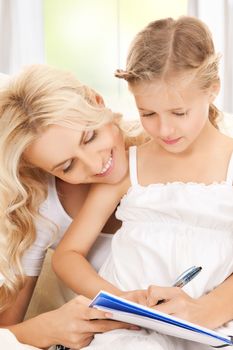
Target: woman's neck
[71,196]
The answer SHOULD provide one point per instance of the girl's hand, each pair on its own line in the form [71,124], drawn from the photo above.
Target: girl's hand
[180,304]
[137,296]
[74,324]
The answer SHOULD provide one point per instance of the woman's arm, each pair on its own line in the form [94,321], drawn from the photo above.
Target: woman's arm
[69,259]
[17,311]
[72,325]
[211,310]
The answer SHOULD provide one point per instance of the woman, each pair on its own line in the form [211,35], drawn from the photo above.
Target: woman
[43,99]
[57,138]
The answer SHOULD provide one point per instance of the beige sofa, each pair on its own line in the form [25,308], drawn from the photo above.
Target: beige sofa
[49,293]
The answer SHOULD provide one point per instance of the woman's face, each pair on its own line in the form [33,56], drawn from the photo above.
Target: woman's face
[80,156]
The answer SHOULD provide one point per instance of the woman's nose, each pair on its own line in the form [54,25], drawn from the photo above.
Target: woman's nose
[91,161]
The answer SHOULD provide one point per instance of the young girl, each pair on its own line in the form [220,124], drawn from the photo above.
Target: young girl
[177,200]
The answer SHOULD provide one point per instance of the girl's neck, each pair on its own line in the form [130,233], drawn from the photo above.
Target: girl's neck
[206,138]
[205,161]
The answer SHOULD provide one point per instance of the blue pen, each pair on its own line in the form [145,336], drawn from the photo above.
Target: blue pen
[184,278]
[187,276]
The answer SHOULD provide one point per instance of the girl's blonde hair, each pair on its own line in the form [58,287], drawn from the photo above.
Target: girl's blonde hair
[168,47]
[38,97]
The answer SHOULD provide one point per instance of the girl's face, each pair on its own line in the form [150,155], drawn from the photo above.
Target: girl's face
[175,114]
[80,156]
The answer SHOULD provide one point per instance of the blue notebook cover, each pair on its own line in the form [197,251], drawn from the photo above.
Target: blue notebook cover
[127,311]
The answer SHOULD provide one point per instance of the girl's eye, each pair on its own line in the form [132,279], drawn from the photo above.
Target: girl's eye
[148,114]
[90,136]
[68,166]
[181,114]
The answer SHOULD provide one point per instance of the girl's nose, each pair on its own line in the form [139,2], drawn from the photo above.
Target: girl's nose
[166,129]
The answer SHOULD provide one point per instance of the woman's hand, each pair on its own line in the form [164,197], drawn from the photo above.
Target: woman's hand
[178,303]
[74,324]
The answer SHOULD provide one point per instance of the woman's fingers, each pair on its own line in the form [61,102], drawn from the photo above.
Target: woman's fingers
[93,314]
[101,326]
[80,306]
[78,323]
[80,299]
[94,320]
[86,341]
[80,341]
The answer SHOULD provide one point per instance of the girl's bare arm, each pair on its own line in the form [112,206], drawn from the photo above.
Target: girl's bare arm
[211,310]
[69,260]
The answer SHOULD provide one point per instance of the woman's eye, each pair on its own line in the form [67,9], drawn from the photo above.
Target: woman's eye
[90,136]
[68,166]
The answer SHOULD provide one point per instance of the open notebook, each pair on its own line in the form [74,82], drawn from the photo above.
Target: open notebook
[127,311]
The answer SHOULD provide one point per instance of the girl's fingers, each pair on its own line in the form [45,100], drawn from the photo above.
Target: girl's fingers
[155,294]
[137,296]
[168,307]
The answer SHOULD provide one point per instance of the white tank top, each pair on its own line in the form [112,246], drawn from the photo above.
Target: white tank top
[52,209]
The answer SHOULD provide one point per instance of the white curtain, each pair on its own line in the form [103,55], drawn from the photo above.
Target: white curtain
[21,34]
[218,15]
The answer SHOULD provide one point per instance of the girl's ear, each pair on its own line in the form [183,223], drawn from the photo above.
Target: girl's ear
[99,99]
[214,91]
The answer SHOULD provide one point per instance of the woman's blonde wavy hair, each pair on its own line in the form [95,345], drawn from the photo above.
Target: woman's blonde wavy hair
[168,47]
[38,97]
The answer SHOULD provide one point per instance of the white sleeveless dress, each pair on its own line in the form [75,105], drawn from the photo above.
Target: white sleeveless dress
[166,229]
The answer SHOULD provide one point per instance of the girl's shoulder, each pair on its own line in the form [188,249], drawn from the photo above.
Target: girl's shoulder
[225,143]
[146,147]
[145,151]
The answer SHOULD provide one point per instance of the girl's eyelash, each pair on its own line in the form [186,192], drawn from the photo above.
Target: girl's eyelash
[181,114]
[148,114]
